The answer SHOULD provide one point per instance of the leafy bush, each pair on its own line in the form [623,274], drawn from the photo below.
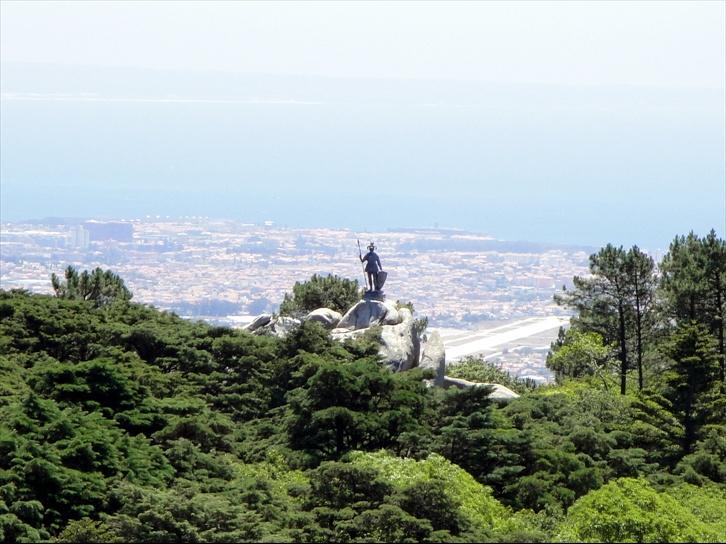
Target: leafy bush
[474,500]
[331,291]
[476,369]
[580,354]
[630,510]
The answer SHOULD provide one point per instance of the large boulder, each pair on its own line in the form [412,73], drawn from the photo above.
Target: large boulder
[393,316]
[284,325]
[399,343]
[325,316]
[499,392]
[434,357]
[257,322]
[280,326]
[363,314]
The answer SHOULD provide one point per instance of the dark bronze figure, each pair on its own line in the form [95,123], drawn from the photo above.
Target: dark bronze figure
[373,268]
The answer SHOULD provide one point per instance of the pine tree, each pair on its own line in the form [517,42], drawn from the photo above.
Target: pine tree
[640,270]
[693,284]
[98,286]
[692,374]
[602,301]
[715,275]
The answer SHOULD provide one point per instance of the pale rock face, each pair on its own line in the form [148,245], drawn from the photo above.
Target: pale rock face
[257,322]
[399,344]
[364,314]
[434,357]
[393,316]
[502,393]
[280,326]
[325,316]
[499,392]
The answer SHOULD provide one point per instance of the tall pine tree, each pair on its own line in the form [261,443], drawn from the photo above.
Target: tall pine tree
[693,284]
[693,371]
[602,301]
[640,271]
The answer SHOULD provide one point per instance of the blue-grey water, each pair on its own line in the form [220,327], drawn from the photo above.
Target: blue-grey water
[570,165]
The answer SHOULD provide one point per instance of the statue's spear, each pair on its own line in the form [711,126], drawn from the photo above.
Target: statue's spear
[360,255]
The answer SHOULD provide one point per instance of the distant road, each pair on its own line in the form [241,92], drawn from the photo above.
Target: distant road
[459,344]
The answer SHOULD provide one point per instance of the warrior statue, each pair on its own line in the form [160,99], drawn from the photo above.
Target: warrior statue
[373,269]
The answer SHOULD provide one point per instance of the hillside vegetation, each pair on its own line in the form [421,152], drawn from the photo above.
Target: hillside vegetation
[119,422]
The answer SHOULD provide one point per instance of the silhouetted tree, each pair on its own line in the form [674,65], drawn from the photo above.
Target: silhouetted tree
[98,286]
[640,270]
[602,301]
[693,284]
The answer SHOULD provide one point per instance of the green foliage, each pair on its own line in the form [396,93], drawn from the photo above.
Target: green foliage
[350,406]
[569,441]
[693,284]
[87,530]
[708,460]
[474,501]
[602,301]
[180,515]
[618,303]
[420,325]
[122,423]
[693,372]
[349,502]
[630,510]
[331,291]
[476,369]
[98,286]
[706,503]
[61,459]
[579,354]
[94,384]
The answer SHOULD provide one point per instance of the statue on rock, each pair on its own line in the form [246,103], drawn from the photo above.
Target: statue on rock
[375,275]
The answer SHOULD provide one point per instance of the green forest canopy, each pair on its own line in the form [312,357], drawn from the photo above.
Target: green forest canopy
[119,423]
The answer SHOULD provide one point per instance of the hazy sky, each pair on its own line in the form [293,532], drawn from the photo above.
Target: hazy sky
[583,122]
[600,43]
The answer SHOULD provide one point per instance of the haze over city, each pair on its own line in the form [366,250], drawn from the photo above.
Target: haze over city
[581,123]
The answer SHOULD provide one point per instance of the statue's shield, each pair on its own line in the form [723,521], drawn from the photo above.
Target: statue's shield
[380,279]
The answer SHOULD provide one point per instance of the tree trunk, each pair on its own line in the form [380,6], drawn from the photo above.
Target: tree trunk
[623,349]
[339,438]
[719,321]
[639,341]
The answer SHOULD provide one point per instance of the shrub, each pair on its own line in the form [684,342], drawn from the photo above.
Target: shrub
[331,291]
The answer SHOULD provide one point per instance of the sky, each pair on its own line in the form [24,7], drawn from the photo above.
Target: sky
[580,122]
[594,43]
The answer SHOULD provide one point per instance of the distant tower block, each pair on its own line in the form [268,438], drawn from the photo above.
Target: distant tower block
[78,238]
[118,231]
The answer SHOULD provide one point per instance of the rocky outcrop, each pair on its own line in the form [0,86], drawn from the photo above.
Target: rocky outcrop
[363,314]
[280,326]
[257,322]
[434,357]
[499,392]
[400,344]
[393,316]
[400,348]
[325,316]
